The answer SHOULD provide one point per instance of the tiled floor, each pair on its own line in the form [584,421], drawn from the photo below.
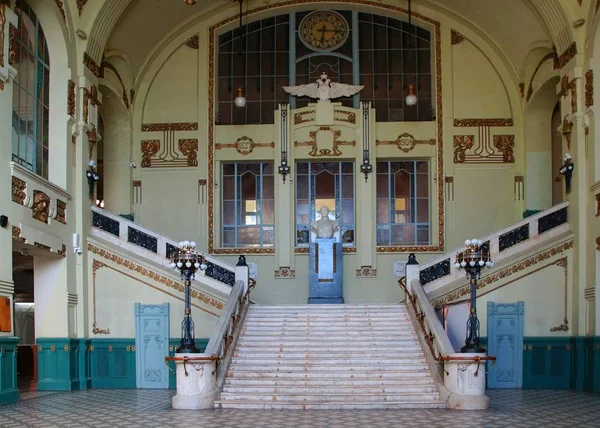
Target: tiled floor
[152,408]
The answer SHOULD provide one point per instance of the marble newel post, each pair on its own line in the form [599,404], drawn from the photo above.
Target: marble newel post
[325,261]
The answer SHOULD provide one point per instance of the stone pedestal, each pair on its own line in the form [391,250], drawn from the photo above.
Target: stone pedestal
[466,383]
[325,271]
[197,389]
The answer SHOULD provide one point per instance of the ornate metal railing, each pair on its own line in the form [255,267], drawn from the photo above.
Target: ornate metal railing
[502,244]
[154,245]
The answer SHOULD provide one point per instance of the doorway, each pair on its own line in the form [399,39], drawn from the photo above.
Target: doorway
[505,341]
[152,345]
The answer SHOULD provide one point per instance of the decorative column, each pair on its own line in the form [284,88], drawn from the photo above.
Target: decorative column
[285,223]
[366,224]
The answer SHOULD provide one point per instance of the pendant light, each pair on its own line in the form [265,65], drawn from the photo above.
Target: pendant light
[240,100]
[190,2]
[411,98]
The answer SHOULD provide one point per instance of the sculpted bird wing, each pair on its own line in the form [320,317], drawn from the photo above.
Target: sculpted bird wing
[342,90]
[310,90]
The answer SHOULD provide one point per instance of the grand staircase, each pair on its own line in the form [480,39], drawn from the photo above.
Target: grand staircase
[328,357]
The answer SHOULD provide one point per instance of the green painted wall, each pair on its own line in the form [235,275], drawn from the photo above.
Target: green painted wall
[9,392]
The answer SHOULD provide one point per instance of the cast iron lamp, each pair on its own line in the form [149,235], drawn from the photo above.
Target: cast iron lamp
[473,260]
[92,177]
[188,261]
[567,170]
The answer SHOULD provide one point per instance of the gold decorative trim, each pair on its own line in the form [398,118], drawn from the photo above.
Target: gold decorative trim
[462,143]
[86,106]
[18,190]
[96,265]
[316,152]
[566,87]
[405,142]
[348,250]
[80,5]
[522,89]
[567,55]
[61,211]
[344,116]
[2,27]
[189,148]
[567,130]
[439,110]
[504,273]
[42,246]
[132,95]
[60,5]
[597,242]
[449,182]
[563,263]
[41,206]
[456,37]
[143,271]
[12,44]
[366,272]
[285,272]
[243,251]
[505,143]
[62,251]
[149,149]
[475,123]
[92,65]
[589,88]
[71,98]
[304,250]
[304,116]
[179,126]
[16,235]
[597,204]
[244,145]
[106,64]
[193,42]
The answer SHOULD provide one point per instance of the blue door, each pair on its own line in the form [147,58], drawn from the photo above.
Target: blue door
[152,345]
[505,341]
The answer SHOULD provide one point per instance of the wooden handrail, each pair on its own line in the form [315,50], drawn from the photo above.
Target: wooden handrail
[185,358]
[475,358]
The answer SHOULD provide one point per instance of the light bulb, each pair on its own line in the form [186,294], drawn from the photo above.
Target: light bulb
[463,263]
[180,244]
[172,265]
[457,265]
[468,242]
[203,266]
[568,156]
[188,265]
[179,264]
[411,98]
[481,263]
[472,263]
[491,264]
[92,163]
[240,100]
[197,265]
[186,243]
[193,244]
[488,264]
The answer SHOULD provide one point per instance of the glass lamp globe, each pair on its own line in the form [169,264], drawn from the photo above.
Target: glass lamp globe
[411,98]
[240,100]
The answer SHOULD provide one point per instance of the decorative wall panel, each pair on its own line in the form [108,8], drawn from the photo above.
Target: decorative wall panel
[166,153]
[244,145]
[405,142]
[316,151]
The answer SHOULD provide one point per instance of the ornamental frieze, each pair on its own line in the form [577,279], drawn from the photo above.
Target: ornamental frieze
[284,272]
[244,145]
[18,190]
[405,142]
[316,151]
[366,272]
[169,152]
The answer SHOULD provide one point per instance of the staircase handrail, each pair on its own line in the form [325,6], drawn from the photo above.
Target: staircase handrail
[503,243]
[217,269]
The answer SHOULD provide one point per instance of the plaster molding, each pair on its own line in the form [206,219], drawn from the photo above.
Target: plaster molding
[405,142]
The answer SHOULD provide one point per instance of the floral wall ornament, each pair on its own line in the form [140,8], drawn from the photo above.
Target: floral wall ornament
[170,151]
[313,144]
[567,130]
[406,142]
[41,206]
[567,171]
[462,143]
[589,88]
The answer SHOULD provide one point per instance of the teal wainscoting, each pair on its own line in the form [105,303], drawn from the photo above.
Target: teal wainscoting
[547,362]
[112,363]
[58,364]
[9,391]
[173,344]
[84,364]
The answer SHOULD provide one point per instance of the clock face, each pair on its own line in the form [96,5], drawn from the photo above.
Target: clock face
[323,30]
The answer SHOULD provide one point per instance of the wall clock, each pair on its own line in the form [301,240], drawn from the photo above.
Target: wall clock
[323,30]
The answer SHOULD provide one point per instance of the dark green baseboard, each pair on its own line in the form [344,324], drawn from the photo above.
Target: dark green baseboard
[561,363]
[173,344]
[112,363]
[9,391]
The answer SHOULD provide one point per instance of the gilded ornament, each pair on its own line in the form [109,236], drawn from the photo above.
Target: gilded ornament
[80,5]
[568,55]
[42,246]
[61,211]
[589,88]
[366,271]
[2,26]
[149,149]
[62,251]
[193,42]
[189,147]
[41,206]
[71,98]
[12,45]
[316,152]
[284,272]
[549,56]
[86,107]
[474,123]
[567,130]
[462,143]
[304,116]
[323,31]
[522,89]
[18,190]
[406,142]
[16,234]
[505,143]
[180,126]
[456,37]
[344,116]
[61,5]
[244,145]
[92,65]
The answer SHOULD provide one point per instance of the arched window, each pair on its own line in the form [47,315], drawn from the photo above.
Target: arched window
[31,95]
[384,54]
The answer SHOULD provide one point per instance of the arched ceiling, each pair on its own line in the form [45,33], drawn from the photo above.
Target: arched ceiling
[135,27]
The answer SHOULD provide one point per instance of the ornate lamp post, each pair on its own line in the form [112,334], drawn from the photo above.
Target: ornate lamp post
[473,260]
[188,261]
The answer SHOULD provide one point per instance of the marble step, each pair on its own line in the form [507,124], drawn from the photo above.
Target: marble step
[320,367]
[332,306]
[327,390]
[333,381]
[326,362]
[330,405]
[395,324]
[324,354]
[341,319]
[381,348]
[327,375]
[350,397]
[321,342]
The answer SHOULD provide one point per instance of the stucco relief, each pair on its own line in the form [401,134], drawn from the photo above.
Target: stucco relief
[166,153]
[313,143]
[244,145]
[41,206]
[405,142]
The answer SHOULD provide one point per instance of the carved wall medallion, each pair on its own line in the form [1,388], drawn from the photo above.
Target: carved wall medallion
[562,60]
[437,36]
[344,116]
[71,98]
[304,116]
[165,154]
[61,211]
[405,142]
[462,143]
[143,271]
[80,5]
[284,272]
[41,206]
[244,145]
[193,42]
[456,37]
[16,235]
[18,190]
[313,144]
[504,273]
[589,88]
[92,65]
[366,272]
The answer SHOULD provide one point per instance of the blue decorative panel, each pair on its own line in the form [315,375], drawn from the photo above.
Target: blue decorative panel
[325,274]
[152,339]
[9,392]
[142,239]
[105,223]
[505,341]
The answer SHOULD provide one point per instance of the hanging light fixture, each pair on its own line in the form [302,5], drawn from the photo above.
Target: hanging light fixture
[411,98]
[190,2]
[240,100]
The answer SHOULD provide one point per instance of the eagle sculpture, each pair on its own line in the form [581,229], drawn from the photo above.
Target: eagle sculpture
[324,89]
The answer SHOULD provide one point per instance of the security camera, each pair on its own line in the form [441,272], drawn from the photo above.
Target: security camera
[133,165]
